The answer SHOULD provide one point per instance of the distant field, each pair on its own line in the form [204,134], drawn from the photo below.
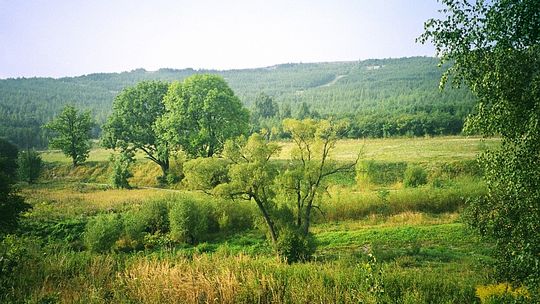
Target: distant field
[418,149]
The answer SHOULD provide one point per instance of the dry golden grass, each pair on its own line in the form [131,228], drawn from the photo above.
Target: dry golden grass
[183,281]
[73,201]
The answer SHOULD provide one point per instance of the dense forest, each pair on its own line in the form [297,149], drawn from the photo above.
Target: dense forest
[379,97]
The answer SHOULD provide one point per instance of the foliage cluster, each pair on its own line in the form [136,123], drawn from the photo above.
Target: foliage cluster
[174,220]
[195,116]
[11,204]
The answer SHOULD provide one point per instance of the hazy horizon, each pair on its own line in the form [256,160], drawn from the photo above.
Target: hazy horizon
[72,38]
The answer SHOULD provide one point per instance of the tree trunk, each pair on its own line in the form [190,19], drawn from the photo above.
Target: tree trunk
[164,168]
[268,220]
[305,227]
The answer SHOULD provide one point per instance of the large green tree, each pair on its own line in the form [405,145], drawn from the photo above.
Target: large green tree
[72,133]
[131,126]
[493,47]
[202,112]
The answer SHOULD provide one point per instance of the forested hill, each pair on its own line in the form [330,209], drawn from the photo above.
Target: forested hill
[380,96]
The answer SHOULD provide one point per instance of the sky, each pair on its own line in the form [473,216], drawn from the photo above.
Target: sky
[55,38]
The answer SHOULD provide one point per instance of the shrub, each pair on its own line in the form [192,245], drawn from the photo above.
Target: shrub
[102,232]
[121,172]
[13,255]
[451,170]
[134,230]
[380,173]
[11,204]
[30,166]
[189,222]
[293,247]
[415,176]
[205,173]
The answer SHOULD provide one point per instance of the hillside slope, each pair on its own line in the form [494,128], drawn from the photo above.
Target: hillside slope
[370,89]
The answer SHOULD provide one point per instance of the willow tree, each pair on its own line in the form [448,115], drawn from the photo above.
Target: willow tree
[493,47]
[252,176]
[304,180]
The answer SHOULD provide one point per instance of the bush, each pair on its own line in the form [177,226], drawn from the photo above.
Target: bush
[380,173]
[102,232]
[189,221]
[30,166]
[154,215]
[205,173]
[293,247]
[415,176]
[443,171]
[121,172]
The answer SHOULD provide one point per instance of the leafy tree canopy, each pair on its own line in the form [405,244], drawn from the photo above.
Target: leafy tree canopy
[265,106]
[202,112]
[131,126]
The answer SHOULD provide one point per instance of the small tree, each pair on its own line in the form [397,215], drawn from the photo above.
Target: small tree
[265,107]
[30,166]
[72,130]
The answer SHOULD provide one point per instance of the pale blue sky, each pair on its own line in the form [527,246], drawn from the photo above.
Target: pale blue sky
[65,38]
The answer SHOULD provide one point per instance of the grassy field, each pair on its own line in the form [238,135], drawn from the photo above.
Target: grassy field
[378,244]
[416,149]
